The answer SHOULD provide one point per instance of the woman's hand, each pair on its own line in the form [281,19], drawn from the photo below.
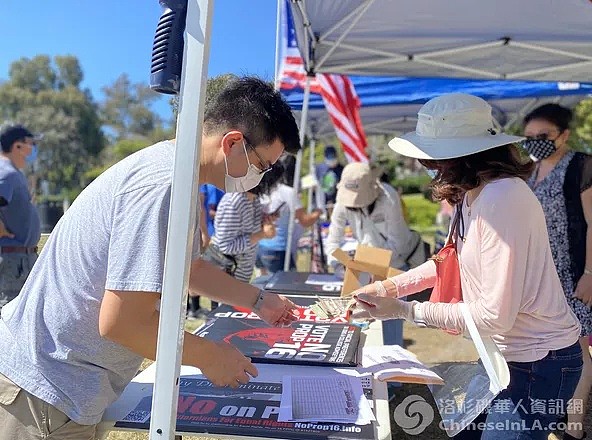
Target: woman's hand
[379,288]
[584,290]
[371,306]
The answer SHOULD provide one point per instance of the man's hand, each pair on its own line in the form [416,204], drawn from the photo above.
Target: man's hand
[277,310]
[5,232]
[584,290]
[268,230]
[225,366]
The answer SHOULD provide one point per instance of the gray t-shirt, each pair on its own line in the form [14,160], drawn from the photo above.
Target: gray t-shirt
[112,237]
[19,215]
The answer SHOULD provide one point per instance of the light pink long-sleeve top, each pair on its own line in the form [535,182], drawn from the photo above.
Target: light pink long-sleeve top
[508,277]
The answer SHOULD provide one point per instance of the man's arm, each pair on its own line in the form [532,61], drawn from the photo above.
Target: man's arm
[208,280]
[131,319]
[584,285]
[203,224]
[306,219]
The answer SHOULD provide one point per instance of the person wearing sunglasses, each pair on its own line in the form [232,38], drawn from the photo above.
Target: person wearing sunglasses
[562,181]
[20,226]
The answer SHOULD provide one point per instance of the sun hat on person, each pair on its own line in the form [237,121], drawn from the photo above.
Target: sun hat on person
[450,126]
[358,186]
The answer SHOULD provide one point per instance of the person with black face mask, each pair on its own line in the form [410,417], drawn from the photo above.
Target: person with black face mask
[562,182]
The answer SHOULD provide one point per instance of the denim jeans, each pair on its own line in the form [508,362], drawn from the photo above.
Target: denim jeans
[534,401]
[273,261]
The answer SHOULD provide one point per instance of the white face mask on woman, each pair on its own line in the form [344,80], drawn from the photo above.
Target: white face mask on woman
[244,183]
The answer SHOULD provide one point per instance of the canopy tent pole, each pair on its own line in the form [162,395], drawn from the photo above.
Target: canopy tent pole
[521,113]
[535,72]
[357,11]
[311,37]
[311,170]
[182,219]
[345,33]
[278,30]
[298,167]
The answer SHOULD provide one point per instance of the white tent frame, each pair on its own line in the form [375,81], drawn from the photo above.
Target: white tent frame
[386,57]
[182,219]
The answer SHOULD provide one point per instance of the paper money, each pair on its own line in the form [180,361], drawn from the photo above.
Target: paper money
[328,308]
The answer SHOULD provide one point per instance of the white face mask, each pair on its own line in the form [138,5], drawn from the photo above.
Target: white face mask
[246,182]
[331,162]
[432,173]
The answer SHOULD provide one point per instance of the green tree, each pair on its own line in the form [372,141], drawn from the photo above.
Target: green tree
[126,109]
[45,96]
[582,134]
[69,71]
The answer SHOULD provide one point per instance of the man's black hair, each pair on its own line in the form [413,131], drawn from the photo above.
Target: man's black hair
[253,107]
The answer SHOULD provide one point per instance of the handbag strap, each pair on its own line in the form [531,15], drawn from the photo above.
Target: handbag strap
[454,226]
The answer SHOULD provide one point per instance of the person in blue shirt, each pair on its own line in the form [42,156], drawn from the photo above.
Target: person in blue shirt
[210,197]
[20,227]
[328,175]
[282,201]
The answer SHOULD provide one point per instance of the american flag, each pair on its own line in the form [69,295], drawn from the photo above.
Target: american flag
[338,92]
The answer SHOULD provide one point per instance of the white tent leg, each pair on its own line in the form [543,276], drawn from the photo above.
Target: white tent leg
[311,170]
[182,219]
[296,184]
[278,33]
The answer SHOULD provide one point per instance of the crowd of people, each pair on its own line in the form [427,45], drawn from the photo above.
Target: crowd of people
[89,307]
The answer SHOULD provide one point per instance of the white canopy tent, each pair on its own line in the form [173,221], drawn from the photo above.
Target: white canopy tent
[530,39]
[540,40]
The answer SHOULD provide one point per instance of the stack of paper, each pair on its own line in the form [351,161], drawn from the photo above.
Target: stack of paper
[394,363]
[337,398]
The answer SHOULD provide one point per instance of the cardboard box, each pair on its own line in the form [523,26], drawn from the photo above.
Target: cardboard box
[366,260]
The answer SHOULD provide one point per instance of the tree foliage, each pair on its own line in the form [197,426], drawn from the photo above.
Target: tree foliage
[126,109]
[582,134]
[44,94]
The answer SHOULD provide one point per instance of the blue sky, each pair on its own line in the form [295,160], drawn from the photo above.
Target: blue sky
[111,37]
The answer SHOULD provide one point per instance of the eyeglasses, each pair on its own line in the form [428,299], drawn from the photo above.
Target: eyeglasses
[262,162]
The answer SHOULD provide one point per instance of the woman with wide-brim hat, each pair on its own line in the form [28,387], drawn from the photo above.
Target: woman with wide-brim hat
[508,276]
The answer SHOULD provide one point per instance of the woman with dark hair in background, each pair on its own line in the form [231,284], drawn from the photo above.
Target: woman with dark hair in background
[562,182]
[282,201]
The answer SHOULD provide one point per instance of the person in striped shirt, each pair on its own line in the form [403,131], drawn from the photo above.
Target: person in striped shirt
[240,225]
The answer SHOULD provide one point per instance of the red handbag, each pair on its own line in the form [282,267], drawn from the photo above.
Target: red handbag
[447,288]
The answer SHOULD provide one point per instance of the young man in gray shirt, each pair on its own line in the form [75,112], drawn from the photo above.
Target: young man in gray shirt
[87,316]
